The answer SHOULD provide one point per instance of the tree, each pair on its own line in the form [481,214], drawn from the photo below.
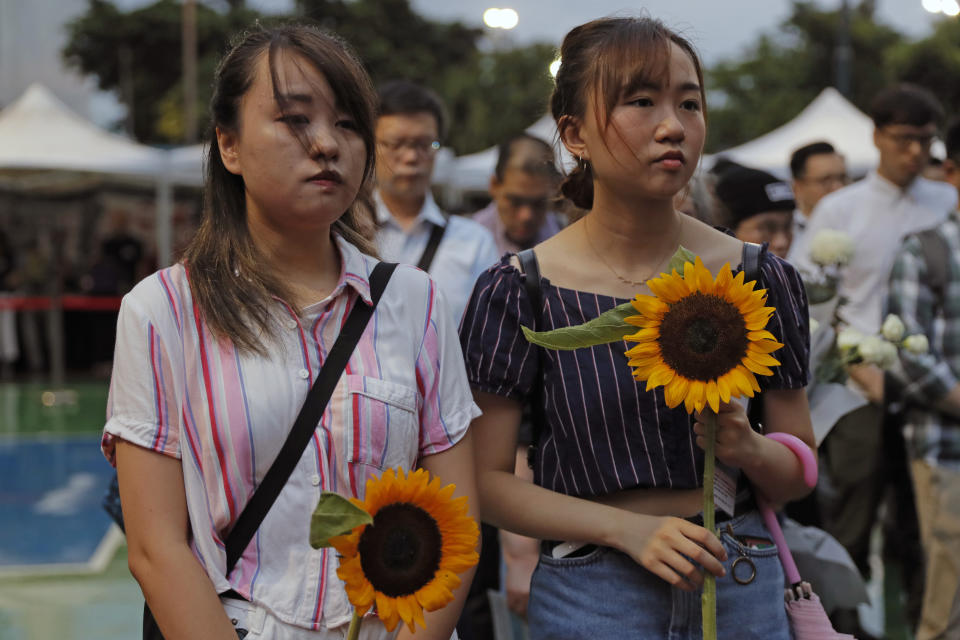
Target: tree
[779,75]
[934,63]
[137,54]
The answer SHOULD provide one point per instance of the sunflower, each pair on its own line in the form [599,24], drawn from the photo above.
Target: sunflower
[408,559]
[703,339]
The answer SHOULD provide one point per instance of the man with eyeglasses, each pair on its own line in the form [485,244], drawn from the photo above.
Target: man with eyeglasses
[523,189]
[412,229]
[817,170]
[864,452]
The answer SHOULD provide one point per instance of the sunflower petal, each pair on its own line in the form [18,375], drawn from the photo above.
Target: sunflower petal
[762,358]
[387,611]
[713,396]
[724,387]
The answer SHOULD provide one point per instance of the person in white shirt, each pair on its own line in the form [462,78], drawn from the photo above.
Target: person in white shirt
[817,169]
[454,250]
[877,213]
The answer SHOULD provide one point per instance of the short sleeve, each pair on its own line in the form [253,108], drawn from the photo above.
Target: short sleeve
[790,324]
[142,406]
[448,407]
[499,358]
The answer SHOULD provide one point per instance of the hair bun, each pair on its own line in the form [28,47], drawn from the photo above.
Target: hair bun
[578,186]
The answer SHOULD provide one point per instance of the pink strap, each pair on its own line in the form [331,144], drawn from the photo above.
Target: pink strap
[802,451]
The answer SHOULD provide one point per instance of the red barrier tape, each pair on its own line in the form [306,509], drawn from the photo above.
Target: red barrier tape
[67,303]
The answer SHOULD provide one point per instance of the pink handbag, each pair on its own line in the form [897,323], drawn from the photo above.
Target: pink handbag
[807,617]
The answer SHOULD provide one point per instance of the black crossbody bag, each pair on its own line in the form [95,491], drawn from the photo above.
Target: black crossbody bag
[303,428]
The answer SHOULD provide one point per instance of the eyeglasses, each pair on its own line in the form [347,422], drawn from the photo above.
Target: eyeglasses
[904,139]
[422,146]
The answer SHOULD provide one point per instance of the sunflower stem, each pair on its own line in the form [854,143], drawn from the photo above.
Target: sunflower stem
[708,600]
[353,632]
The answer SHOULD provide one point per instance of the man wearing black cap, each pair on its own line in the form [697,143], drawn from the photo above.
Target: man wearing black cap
[757,206]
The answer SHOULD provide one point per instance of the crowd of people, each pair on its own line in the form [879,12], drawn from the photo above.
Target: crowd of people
[312,175]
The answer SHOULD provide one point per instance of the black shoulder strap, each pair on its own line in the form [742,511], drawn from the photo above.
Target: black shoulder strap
[751,261]
[531,268]
[936,255]
[538,418]
[306,422]
[436,235]
[751,272]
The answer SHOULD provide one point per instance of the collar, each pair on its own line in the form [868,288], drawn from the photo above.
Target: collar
[886,187]
[429,212]
[355,268]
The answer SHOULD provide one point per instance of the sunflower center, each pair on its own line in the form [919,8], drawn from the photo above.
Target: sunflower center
[400,551]
[703,337]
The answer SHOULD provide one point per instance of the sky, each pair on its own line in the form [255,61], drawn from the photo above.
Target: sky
[31,32]
[719,28]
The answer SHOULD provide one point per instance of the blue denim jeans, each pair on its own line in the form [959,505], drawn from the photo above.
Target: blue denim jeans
[605,594]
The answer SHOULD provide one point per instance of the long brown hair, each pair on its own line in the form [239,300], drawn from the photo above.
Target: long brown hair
[229,277]
[601,60]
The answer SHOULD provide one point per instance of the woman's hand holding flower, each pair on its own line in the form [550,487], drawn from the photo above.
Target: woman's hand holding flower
[737,443]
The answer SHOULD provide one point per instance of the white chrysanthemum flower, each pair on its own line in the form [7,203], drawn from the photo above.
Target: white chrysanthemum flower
[888,355]
[876,350]
[917,343]
[893,328]
[849,338]
[831,247]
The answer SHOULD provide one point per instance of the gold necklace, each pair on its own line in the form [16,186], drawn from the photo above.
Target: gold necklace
[672,248]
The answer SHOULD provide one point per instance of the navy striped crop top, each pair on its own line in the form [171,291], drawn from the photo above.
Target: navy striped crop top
[605,433]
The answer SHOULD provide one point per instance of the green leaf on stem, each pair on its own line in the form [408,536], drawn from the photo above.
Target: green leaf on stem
[609,326]
[334,516]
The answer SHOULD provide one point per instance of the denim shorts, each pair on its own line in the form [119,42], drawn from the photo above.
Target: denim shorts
[605,594]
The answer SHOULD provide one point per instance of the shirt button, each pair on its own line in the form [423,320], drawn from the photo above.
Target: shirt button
[303,373]
[291,324]
[315,480]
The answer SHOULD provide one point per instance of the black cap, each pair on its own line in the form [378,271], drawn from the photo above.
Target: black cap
[745,192]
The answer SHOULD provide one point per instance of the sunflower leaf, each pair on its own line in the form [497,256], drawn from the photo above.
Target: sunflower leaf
[607,327]
[681,257]
[334,516]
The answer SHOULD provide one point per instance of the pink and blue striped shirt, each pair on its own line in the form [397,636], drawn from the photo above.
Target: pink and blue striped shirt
[178,390]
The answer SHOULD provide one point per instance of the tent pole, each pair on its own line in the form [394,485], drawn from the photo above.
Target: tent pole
[164,222]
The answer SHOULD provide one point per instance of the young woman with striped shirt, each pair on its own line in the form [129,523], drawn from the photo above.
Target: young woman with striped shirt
[615,468]
[215,356]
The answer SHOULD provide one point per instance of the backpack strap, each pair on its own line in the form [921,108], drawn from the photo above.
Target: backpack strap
[936,256]
[531,270]
[433,242]
[751,272]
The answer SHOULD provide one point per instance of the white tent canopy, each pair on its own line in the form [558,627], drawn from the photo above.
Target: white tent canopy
[38,131]
[472,172]
[831,118]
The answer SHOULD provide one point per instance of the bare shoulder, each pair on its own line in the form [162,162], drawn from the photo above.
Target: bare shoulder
[714,247]
[563,259]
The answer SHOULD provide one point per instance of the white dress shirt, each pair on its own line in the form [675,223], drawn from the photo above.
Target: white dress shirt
[465,251]
[877,215]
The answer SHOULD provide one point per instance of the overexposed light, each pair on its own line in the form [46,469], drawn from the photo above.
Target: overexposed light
[500,18]
[509,18]
[933,6]
[951,8]
[555,67]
